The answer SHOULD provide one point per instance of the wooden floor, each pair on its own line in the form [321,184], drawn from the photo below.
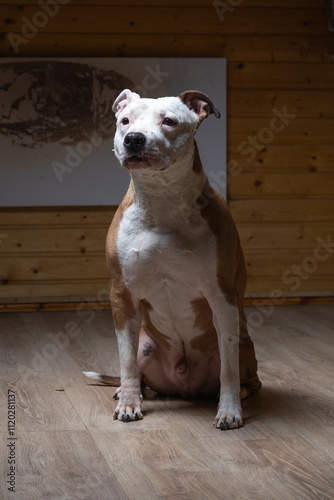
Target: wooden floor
[68,447]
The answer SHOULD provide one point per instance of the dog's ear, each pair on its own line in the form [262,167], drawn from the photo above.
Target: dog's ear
[200,103]
[124,98]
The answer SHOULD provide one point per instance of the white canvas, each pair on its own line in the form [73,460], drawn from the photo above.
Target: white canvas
[61,160]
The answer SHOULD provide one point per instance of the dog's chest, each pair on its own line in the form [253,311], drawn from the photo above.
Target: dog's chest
[155,262]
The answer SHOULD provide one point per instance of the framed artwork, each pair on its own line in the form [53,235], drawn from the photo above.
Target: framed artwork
[57,125]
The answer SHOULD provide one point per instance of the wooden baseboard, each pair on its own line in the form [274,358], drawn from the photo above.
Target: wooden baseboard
[53,306]
[85,305]
[288,301]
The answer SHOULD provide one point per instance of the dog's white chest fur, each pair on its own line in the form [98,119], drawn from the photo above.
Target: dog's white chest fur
[167,268]
[166,271]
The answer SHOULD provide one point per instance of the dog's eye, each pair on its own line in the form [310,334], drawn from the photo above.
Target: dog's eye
[125,121]
[169,122]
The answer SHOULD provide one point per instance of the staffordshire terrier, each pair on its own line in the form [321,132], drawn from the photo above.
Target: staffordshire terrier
[177,268]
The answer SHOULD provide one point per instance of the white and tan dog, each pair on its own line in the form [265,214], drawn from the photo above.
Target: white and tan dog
[177,268]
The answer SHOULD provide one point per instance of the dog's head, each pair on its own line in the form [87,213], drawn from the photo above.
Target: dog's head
[157,133]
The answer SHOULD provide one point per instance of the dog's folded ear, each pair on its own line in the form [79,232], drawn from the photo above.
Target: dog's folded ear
[124,98]
[200,103]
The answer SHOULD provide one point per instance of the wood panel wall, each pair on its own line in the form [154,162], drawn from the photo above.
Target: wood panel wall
[280,137]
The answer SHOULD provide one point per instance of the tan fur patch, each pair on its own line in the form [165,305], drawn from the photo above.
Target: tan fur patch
[231,272]
[206,342]
[122,305]
[197,165]
[147,325]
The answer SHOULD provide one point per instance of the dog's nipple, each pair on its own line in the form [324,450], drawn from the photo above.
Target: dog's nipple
[181,366]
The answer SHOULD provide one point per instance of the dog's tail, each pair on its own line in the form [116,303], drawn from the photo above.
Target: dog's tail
[104,379]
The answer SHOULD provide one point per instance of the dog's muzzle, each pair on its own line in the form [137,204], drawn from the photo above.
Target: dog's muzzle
[134,142]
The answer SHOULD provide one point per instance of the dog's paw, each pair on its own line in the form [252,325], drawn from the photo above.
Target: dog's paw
[228,417]
[117,393]
[128,408]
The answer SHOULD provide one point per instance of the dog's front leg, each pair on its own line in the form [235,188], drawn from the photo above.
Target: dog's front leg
[226,322]
[130,398]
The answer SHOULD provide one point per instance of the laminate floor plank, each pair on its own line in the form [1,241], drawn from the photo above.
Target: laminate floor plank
[69,447]
[65,464]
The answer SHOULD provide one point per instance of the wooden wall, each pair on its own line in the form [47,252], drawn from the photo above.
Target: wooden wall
[281,184]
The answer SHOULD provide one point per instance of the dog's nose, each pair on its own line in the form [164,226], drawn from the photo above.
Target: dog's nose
[134,141]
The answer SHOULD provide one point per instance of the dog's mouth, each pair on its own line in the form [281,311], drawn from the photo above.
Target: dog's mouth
[136,161]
